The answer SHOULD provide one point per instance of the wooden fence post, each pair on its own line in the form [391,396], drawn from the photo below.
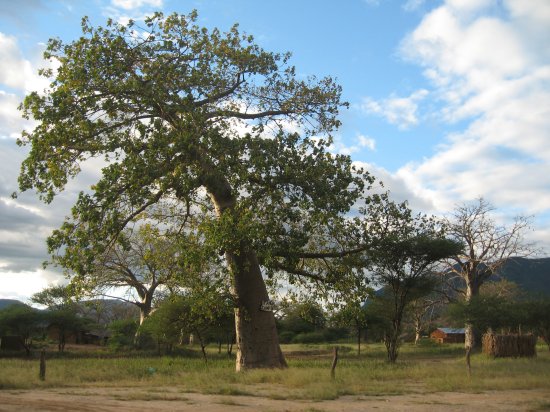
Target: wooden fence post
[42,374]
[334,361]
[468,352]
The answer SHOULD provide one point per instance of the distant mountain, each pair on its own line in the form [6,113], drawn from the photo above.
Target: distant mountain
[102,311]
[4,303]
[532,275]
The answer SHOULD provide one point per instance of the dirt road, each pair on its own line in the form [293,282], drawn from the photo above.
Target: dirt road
[169,399]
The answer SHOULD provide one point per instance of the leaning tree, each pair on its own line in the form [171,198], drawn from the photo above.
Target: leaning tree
[183,113]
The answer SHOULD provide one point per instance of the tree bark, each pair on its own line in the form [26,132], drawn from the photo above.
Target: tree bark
[472,289]
[257,338]
[256,332]
[417,330]
[145,305]
[358,340]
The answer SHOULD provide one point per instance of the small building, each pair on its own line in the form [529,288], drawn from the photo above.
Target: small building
[448,335]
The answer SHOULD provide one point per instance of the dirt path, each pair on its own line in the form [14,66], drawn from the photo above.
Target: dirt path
[169,399]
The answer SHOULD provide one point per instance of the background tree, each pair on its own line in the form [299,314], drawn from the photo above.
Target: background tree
[537,311]
[22,321]
[141,261]
[488,246]
[423,310]
[65,321]
[54,297]
[200,312]
[353,314]
[503,306]
[302,322]
[160,108]
[485,312]
[123,334]
[62,313]
[102,312]
[404,261]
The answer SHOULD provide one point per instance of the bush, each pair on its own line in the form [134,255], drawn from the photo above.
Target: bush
[286,336]
[123,334]
[310,337]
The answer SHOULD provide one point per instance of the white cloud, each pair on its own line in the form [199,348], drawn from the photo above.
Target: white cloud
[412,5]
[400,188]
[368,142]
[401,111]
[136,4]
[25,222]
[14,69]
[489,65]
[19,73]
[21,285]
[338,145]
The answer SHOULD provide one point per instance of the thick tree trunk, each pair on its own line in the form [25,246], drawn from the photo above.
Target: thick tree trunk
[146,304]
[256,333]
[144,311]
[257,338]
[472,289]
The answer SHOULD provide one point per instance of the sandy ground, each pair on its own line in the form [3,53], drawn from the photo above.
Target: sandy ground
[169,399]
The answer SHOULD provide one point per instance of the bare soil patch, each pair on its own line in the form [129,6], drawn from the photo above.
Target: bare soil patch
[97,399]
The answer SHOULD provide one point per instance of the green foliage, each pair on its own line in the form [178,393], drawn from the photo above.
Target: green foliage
[307,322]
[159,110]
[165,111]
[23,321]
[500,312]
[204,312]
[404,260]
[62,312]
[310,337]
[54,297]
[123,334]
[302,323]
[537,316]
[302,317]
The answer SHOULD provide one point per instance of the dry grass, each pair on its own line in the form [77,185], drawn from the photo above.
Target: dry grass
[427,368]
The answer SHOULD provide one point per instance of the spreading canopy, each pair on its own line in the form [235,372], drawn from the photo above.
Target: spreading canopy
[162,107]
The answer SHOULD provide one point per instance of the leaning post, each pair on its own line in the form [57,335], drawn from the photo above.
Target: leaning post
[334,361]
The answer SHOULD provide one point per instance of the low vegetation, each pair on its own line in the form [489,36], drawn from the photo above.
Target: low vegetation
[426,367]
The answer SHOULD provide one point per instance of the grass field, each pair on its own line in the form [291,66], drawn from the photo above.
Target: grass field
[423,369]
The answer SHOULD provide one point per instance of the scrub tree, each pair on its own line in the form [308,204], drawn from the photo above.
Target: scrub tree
[404,261]
[142,263]
[62,312]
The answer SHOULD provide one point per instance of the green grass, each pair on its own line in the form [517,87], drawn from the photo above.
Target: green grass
[426,368]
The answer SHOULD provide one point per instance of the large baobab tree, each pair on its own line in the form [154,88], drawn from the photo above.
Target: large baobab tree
[159,105]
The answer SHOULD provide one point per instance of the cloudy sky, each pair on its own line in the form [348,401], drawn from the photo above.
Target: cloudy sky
[449,100]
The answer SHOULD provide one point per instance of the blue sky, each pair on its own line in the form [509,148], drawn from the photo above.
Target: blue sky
[449,99]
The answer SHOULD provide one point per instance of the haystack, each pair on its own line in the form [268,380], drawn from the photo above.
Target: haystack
[513,345]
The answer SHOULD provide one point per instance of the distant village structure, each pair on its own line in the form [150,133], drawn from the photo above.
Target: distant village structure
[448,335]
